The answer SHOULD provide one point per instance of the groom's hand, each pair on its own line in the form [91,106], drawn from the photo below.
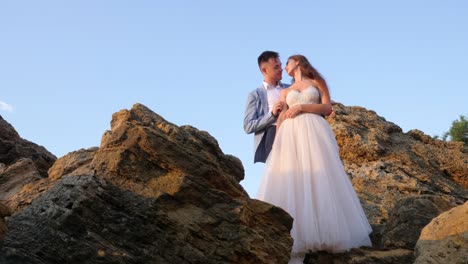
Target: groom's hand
[277,107]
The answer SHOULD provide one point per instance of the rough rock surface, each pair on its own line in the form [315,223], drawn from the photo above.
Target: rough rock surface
[445,239]
[145,153]
[13,148]
[387,165]
[152,192]
[362,256]
[15,176]
[4,212]
[410,216]
[84,219]
[21,162]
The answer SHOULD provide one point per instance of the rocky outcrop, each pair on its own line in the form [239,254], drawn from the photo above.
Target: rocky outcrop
[74,163]
[21,162]
[13,148]
[445,239]
[152,192]
[15,176]
[387,165]
[145,153]
[398,174]
[86,219]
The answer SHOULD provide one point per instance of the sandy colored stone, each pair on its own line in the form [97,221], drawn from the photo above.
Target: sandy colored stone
[445,238]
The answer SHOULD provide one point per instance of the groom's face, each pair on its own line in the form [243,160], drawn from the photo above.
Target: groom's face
[272,69]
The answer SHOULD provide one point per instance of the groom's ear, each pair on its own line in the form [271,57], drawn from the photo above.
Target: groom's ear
[263,69]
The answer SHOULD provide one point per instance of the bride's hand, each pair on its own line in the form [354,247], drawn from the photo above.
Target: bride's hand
[293,111]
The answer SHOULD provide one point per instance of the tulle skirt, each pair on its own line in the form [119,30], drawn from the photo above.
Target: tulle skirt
[304,175]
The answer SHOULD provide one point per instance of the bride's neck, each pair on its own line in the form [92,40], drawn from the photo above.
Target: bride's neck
[298,77]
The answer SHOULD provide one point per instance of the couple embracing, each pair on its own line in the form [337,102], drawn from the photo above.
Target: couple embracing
[303,174]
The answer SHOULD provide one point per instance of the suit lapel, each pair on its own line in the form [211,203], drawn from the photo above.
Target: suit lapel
[262,93]
[263,98]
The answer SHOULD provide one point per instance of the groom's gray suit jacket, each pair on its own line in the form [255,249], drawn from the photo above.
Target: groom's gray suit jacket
[257,117]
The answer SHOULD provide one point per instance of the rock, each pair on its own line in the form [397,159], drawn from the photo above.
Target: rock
[445,238]
[82,218]
[21,163]
[144,148]
[410,216]
[152,192]
[28,194]
[387,165]
[15,176]
[74,163]
[13,148]
[438,154]
[4,212]
[362,256]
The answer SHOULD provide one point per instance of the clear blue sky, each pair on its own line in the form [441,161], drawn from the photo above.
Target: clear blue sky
[66,66]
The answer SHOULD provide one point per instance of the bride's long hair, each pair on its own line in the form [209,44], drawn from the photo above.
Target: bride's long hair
[308,70]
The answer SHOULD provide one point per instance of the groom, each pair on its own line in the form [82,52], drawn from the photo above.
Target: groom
[263,105]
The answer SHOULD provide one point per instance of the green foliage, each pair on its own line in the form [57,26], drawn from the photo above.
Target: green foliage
[458,131]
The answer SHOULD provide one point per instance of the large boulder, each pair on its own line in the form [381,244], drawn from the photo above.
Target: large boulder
[142,149]
[86,219]
[152,192]
[410,216]
[445,238]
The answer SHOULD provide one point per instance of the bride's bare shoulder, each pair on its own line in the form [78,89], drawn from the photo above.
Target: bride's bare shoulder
[290,88]
[299,86]
[284,92]
[311,82]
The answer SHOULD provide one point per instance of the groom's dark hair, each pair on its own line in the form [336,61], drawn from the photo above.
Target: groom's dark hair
[266,56]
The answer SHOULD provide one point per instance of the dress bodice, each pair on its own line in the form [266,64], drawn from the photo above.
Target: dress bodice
[309,95]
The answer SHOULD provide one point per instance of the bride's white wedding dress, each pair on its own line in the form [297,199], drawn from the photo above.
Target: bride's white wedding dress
[304,175]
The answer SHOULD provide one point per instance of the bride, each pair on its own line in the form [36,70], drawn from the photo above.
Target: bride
[304,174]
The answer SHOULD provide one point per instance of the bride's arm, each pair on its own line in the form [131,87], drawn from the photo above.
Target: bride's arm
[281,116]
[325,108]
